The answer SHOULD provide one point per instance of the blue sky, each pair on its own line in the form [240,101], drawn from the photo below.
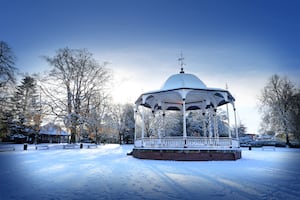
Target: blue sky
[241,43]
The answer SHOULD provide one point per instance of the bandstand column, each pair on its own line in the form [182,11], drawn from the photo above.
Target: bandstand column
[210,123]
[163,122]
[228,119]
[143,125]
[204,125]
[135,124]
[183,118]
[159,124]
[236,128]
[216,134]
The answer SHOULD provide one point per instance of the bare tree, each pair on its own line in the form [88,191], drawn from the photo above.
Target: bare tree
[115,118]
[7,62]
[96,110]
[127,123]
[76,78]
[7,84]
[276,105]
[121,120]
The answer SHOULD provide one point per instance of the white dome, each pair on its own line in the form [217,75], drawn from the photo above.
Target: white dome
[183,80]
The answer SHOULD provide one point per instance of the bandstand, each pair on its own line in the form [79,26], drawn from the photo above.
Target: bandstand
[163,128]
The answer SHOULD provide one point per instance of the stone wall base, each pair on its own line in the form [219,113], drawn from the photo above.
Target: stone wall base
[187,155]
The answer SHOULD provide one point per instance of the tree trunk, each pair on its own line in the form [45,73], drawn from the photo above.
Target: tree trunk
[73,136]
[287,139]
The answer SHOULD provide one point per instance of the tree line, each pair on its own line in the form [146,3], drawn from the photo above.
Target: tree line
[74,93]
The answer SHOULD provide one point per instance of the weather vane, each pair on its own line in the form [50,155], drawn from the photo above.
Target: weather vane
[181,63]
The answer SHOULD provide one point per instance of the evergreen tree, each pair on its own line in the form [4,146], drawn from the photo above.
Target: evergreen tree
[27,107]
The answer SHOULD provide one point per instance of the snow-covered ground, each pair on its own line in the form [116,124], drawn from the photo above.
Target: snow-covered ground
[108,173]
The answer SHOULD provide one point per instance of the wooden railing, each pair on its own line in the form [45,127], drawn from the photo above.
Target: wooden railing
[189,142]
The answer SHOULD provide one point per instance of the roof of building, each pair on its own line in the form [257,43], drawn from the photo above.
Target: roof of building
[183,80]
[51,129]
[187,87]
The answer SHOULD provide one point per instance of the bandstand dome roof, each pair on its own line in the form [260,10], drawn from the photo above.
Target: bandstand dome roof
[183,80]
[184,87]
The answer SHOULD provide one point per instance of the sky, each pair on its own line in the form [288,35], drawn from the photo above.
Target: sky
[240,43]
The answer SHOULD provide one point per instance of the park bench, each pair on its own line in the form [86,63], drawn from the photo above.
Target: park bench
[92,146]
[71,146]
[264,148]
[44,147]
[7,148]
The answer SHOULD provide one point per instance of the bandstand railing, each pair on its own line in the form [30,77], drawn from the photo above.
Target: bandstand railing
[189,142]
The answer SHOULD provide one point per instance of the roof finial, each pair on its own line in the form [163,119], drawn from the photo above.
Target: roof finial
[181,63]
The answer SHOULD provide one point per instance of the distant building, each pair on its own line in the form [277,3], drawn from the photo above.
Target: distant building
[51,133]
[247,139]
[266,137]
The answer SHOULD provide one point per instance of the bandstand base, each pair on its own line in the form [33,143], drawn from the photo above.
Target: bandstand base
[187,154]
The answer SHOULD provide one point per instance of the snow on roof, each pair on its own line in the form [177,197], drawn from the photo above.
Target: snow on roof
[185,86]
[51,129]
[183,80]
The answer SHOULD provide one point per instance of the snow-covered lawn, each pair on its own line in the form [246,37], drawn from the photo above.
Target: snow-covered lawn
[108,173]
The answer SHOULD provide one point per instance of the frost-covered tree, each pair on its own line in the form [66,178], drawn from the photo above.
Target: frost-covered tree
[114,118]
[27,107]
[223,126]
[75,79]
[121,119]
[196,121]
[7,65]
[96,109]
[277,105]
[148,130]
[194,125]
[173,124]
[128,120]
